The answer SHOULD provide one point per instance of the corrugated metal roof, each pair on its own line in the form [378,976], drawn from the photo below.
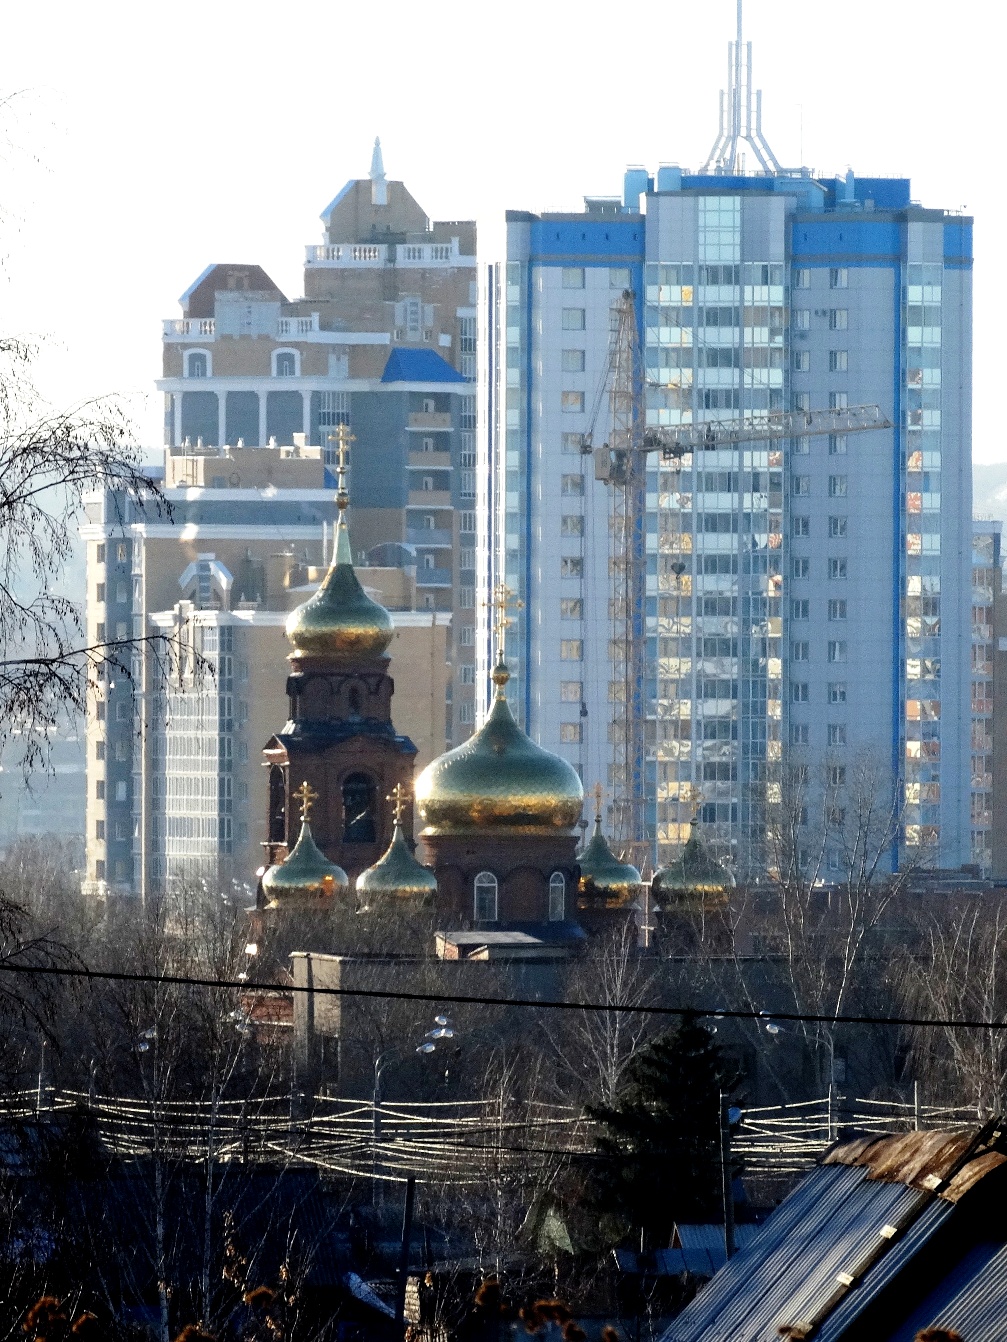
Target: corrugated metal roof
[884,1270]
[972,1299]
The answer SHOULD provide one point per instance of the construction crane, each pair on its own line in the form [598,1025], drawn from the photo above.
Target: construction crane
[622,462]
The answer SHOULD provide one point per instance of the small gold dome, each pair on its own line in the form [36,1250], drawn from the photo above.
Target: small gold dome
[396,874]
[340,621]
[499,780]
[305,878]
[605,882]
[696,873]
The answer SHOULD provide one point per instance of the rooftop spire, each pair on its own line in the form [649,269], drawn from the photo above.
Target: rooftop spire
[743,123]
[379,187]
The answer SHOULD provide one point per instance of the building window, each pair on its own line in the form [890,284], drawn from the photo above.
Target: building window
[837,650]
[99,870]
[466,598]
[573,402]
[571,608]
[571,650]
[467,714]
[573,319]
[802,447]
[571,566]
[428,484]
[573,442]
[573,361]
[277,805]
[837,568]
[800,485]
[571,524]
[99,829]
[838,361]
[802,279]
[99,750]
[285,363]
[839,278]
[802,319]
[800,651]
[837,486]
[837,691]
[557,897]
[570,733]
[838,400]
[800,526]
[798,733]
[197,363]
[837,527]
[799,691]
[837,608]
[802,567]
[120,790]
[800,608]
[837,733]
[485,895]
[802,361]
[100,555]
[573,277]
[572,484]
[100,593]
[837,775]
[802,402]
[838,319]
[99,789]
[358,809]
[121,552]
[571,691]
[837,444]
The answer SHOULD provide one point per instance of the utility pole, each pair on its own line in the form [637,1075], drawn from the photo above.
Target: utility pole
[407,1234]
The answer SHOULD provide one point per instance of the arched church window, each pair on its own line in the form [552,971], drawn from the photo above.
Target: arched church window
[277,805]
[197,364]
[485,898]
[358,809]
[557,897]
[354,699]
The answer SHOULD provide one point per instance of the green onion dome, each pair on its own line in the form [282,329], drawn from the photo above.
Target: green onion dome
[305,878]
[499,781]
[396,875]
[696,872]
[605,882]
[340,622]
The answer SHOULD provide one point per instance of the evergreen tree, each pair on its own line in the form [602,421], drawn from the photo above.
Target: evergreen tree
[660,1148]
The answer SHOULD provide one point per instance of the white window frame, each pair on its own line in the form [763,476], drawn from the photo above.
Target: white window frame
[297,362]
[557,897]
[485,888]
[207,355]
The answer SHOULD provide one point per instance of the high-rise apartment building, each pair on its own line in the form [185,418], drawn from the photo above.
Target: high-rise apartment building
[800,600]
[384,340]
[987,616]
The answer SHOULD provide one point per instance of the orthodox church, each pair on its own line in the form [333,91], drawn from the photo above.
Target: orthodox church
[487,835]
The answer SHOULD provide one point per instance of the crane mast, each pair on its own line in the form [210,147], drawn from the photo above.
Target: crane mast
[621,462]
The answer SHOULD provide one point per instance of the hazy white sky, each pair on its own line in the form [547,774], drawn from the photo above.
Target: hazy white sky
[149,140]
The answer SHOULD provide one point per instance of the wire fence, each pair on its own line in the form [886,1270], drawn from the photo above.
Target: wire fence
[457,1142]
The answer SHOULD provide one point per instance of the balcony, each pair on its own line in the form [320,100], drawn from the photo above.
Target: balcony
[189,328]
[433,577]
[429,498]
[410,254]
[295,326]
[430,537]
[429,461]
[421,422]
[346,254]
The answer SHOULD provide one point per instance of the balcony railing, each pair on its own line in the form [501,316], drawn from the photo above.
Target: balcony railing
[189,326]
[295,326]
[370,254]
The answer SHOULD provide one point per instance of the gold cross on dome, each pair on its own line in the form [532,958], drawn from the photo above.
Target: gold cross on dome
[398,797]
[343,438]
[502,600]
[307,796]
[598,794]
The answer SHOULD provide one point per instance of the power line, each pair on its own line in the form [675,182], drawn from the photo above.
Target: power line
[473,999]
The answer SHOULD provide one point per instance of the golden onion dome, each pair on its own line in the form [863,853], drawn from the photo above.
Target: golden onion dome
[305,878]
[340,622]
[696,872]
[605,882]
[499,780]
[396,874]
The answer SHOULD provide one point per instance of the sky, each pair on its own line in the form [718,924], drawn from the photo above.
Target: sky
[136,147]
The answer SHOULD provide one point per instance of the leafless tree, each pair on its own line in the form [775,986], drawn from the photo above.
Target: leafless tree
[49,461]
[957,970]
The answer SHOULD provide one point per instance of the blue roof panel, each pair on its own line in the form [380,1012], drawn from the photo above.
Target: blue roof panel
[419,365]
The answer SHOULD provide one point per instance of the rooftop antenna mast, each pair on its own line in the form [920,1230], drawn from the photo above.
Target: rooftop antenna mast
[743,121]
